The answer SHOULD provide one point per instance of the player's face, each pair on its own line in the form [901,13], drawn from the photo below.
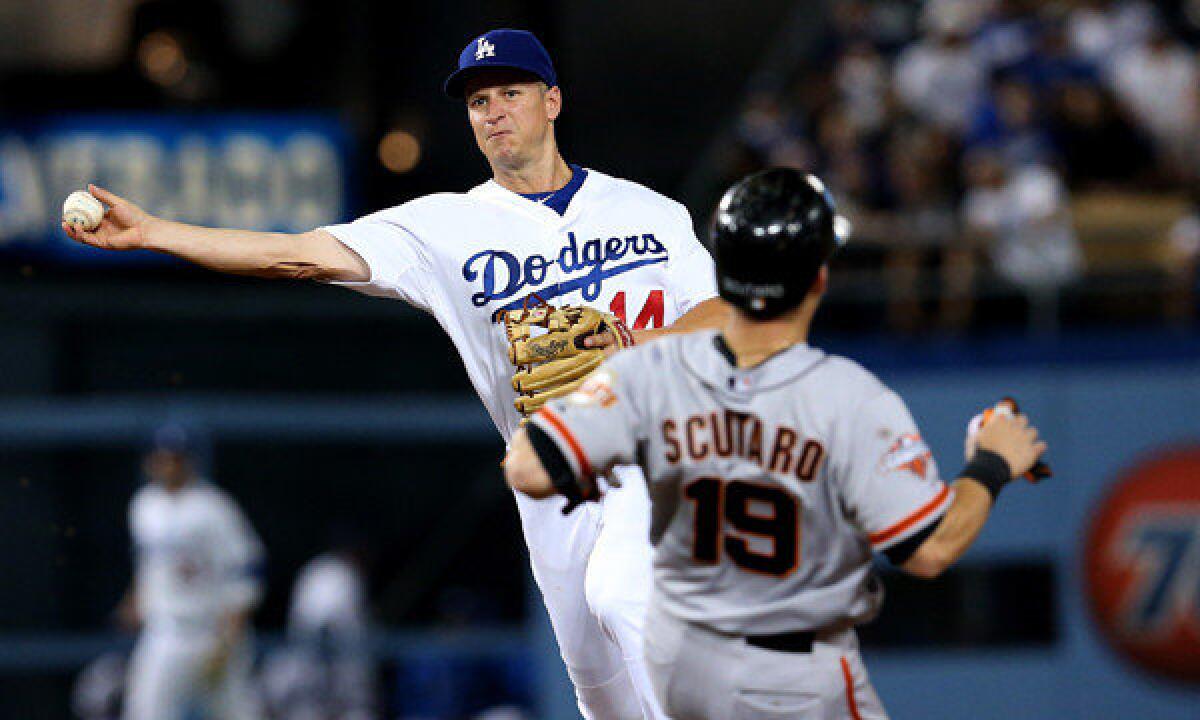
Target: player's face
[512,117]
[169,469]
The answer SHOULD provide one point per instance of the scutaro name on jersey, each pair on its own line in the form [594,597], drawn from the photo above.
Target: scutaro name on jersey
[502,274]
[777,449]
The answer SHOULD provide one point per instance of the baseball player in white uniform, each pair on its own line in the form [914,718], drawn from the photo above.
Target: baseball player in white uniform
[776,472]
[540,230]
[198,570]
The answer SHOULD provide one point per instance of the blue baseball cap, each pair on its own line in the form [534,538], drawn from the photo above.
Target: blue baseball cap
[178,437]
[501,49]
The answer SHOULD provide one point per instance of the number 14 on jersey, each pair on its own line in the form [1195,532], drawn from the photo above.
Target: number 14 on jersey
[651,315]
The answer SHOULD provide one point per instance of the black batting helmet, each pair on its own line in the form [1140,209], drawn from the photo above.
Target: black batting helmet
[772,232]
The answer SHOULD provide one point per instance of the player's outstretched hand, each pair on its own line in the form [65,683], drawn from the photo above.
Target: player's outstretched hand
[607,341]
[123,226]
[1014,439]
[1007,406]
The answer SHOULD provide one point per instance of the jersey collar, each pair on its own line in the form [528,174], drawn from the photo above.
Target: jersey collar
[713,363]
[497,193]
[559,200]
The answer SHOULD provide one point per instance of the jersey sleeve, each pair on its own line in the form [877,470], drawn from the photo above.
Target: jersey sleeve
[598,425]
[241,557]
[398,262]
[892,489]
[690,270]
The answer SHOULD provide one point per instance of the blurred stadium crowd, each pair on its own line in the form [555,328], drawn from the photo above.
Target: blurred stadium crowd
[1052,143]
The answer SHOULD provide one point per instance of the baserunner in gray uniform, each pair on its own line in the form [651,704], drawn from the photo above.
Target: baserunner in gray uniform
[776,471]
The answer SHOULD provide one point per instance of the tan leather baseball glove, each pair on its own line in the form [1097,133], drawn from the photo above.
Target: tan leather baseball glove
[546,346]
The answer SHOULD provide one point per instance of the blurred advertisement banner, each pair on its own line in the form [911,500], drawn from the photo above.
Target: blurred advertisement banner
[280,172]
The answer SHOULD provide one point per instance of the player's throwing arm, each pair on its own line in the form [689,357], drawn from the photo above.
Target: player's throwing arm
[314,255]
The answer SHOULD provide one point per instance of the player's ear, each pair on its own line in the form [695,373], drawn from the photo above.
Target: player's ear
[553,99]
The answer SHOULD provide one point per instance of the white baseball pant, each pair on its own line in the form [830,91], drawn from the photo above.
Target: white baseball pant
[593,567]
[165,679]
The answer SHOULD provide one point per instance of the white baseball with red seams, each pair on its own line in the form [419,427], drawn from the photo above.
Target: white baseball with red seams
[82,211]
[976,422]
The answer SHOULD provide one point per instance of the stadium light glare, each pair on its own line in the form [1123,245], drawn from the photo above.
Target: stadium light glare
[399,151]
[161,58]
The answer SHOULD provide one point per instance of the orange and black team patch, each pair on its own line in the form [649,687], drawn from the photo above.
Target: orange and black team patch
[910,453]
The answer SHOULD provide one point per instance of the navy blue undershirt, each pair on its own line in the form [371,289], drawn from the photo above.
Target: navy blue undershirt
[559,199]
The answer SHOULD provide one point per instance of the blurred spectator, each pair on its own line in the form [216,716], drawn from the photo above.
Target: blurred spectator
[326,671]
[1052,63]
[1007,35]
[1022,218]
[1100,30]
[768,130]
[924,218]
[885,24]
[861,78]
[1157,81]
[1009,119]
[1098,145]
[939,78]
[837,136]
[846,162]
[329,599]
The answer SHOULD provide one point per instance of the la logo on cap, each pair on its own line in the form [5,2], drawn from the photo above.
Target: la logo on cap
[485,49]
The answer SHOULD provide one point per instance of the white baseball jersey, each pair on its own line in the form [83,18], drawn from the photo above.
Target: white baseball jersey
[461,257]
[197,558]
[771,485]
[329,595]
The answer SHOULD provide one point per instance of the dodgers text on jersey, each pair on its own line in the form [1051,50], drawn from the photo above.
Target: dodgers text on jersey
[502,274]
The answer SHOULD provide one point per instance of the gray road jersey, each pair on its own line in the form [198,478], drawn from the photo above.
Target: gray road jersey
[772,485]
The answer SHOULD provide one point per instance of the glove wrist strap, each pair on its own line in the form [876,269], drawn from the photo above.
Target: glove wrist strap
[990,470]
[623,333]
